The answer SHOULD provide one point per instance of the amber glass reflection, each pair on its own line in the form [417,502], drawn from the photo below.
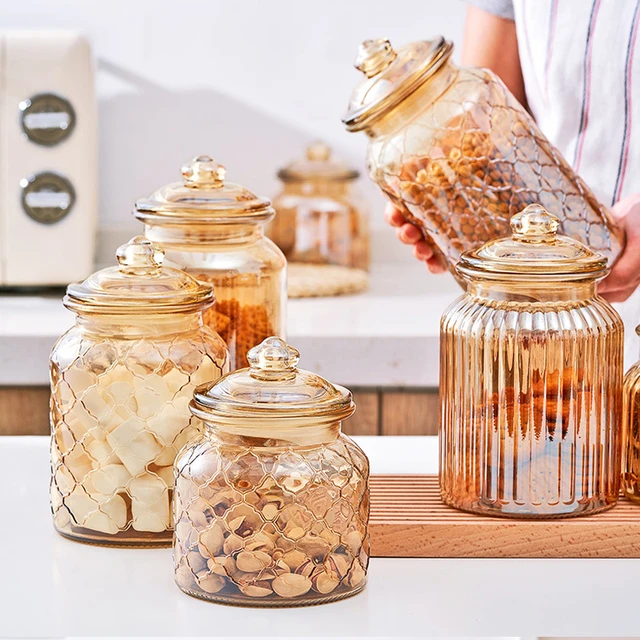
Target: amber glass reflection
[120,389]
[631,431]
[531,377]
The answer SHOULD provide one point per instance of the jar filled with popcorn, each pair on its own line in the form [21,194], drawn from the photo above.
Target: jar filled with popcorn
[121,382]
[272,501]
[214,230]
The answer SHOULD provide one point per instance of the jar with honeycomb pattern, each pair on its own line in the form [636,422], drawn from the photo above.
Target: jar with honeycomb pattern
[531,379]
[272,502]
[121,382]
[214,230]
[458,155]
[631,433]
[322,225]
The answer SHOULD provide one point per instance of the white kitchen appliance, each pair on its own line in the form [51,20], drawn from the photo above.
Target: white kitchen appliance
[48,158]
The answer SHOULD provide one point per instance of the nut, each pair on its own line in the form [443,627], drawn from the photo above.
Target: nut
[337,566]
[211,541]
[256,590]
[324,583]
[291,585]
[211,582]
[232,543]
[357,575]
[294,559]
[252,560]
[314,546]
[353,540]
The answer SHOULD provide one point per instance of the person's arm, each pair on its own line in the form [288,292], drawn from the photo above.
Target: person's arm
[489,41]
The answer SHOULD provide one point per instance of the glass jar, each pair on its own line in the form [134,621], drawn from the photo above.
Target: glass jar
[531,379]
[121,382]
[631,433]
[272,502]
[458,155]
[321,219]
[214,230]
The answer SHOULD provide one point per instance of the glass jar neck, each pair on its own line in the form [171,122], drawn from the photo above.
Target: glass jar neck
[202,234]
[532,292]
[274,434]
[133,327]
[420,99]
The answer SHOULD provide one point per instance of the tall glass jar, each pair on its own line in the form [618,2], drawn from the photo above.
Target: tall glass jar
[531,379]
[214,230]
[121,382]
[321,220]
[458,155]
[272,502]
[631,433]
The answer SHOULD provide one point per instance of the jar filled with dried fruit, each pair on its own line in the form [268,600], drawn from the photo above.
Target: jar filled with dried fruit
[214,230]
[458,155]
[322,225]
[121,382]
[531,379]
[631,433]
[272,502]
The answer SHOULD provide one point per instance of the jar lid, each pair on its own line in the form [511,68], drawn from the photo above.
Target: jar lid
[317,165]
[391,76]
[139,285]
[272,387]
[533,251]
[204,197]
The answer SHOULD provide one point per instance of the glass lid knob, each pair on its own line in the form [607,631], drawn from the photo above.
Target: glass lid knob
[374,56]
[273,359]
[140,257]
[204,171]
[534,224]
[318,152]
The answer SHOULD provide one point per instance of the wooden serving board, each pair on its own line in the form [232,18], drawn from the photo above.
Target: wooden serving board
[408,520]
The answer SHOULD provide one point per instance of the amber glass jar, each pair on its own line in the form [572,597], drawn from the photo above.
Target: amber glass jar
[531,379]
[631,433]
[121,382]
[322,219]
[272,502]
[214,230]
[458,155]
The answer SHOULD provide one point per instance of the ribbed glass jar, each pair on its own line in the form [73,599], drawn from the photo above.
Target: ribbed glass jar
[458,155]
[531,379]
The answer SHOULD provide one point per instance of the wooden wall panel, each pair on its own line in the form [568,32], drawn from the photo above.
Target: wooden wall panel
[24,411]
[366,420]
[410,413]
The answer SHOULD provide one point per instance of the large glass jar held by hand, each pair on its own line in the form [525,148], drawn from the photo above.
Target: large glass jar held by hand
[121,382]
[531,379]
[214,230]
[272,502]
[458,155]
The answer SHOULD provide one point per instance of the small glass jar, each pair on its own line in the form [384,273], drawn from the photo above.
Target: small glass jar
[531,379]
[121,382]
[321,219]
[214,230]
[458,155]
[631,433]
[272,502]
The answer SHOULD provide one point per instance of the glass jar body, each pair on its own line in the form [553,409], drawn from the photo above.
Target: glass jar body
[320,222]
[460,156]
[248,273]
[268,522]
[120,389]
[631,434]
[531,394]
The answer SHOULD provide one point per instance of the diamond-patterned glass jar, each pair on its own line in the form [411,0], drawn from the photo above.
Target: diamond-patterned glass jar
[631,433]
[458,155]
[531,379]
[272,502]
[121,382]
[214,230]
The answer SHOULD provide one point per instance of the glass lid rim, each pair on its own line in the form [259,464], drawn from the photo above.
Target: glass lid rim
[286,174]
[363,116]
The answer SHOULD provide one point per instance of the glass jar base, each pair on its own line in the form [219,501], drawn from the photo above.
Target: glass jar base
[122,539]
[307,600]
[524,512]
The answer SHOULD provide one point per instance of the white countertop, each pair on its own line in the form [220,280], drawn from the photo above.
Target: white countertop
[388,336]
[53,587]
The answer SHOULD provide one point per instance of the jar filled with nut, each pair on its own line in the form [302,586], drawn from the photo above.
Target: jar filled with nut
[214,230]
[531,379]
[121,382]
[272,502]
[322,225]
[631,433]
[458,155]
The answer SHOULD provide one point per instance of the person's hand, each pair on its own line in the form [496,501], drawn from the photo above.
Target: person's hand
[410,234]
[625,273]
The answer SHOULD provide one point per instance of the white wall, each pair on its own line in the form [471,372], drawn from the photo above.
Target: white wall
[247,81]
